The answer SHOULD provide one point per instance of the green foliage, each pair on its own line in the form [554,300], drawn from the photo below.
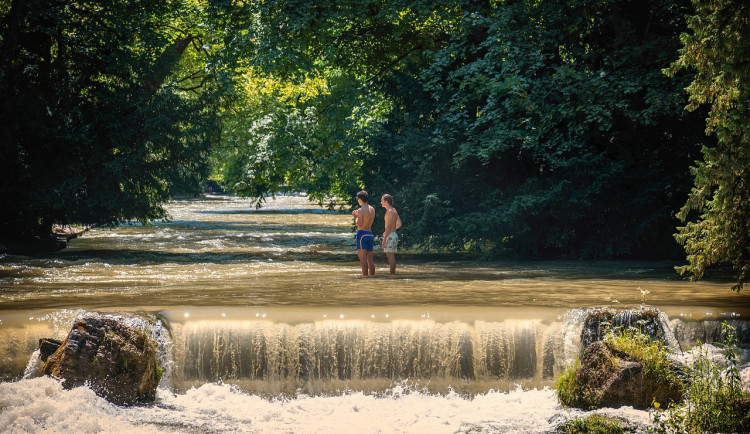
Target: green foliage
[531,128]
[714,398]
[306,136]
[569,391]
[543,128]
[717,48]
[594,424]
[103,117]
[539,128]
[311,98]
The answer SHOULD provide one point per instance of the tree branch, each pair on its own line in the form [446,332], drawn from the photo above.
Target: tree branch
[166,62]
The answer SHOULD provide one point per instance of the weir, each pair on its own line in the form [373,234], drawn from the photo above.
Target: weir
[326,356]
[359,351]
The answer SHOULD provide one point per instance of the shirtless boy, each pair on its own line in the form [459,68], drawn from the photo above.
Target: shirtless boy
[363,217]
[390,238]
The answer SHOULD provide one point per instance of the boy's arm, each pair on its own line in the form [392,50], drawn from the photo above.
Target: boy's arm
[386,218]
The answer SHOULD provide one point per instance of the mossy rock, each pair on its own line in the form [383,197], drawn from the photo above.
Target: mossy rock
[119,362]
[601,321]
[610,377]
[597,424]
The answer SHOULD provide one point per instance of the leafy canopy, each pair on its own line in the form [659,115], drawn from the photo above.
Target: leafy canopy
[717,48]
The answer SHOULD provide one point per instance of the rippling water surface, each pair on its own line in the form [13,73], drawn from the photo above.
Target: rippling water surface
[271,328]
[221,251]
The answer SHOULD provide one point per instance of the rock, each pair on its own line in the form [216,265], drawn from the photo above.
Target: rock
[119,362]
[613,378]
[741,410]
[47,347]
[599,322]
[613,381]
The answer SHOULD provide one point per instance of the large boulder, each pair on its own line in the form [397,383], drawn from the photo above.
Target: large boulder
[613,378]
[119,362]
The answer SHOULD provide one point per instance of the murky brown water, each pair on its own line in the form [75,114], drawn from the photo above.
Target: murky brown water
[293,258]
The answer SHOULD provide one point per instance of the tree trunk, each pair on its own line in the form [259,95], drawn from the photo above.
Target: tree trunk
[166,62]
[44,231]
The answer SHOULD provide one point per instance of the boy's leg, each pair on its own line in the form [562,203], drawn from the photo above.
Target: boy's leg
[370,263]
[362,254]
[392,262]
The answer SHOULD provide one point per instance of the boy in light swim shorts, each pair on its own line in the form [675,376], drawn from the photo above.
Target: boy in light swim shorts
[390,237]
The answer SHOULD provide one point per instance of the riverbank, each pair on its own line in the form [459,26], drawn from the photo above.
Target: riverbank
[29,246]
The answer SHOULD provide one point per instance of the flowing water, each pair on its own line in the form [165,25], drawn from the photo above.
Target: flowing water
[265,325]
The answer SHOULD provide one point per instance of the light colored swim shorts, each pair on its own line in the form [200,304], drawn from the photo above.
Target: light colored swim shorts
[390,243]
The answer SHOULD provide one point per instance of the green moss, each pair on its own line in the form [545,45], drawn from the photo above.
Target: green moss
[158,371]
[594,424]
[569,391]
[659,373]
[124,364]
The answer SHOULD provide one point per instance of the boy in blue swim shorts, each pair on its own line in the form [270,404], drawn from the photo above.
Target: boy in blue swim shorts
[363,218]
[365,240]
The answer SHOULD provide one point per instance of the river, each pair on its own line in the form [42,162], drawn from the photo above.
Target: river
[265,325]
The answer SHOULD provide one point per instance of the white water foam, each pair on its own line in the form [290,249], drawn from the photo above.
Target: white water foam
[34,367]
[42,405]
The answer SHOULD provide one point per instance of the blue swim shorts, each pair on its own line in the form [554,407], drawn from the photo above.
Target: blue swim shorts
[365,240]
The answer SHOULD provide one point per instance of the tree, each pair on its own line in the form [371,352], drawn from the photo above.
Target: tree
[544,129]
[306,136]
[100,120]
[718,49]
[313,95]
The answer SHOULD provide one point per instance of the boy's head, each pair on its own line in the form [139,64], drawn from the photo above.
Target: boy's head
[362,195]
[388,198]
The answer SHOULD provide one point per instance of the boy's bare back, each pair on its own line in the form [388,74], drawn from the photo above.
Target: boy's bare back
[364,217]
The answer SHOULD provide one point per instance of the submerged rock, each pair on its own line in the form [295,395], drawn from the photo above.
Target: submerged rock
[119,362]
[599,322]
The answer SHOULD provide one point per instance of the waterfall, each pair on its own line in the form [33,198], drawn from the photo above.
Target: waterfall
[512,351]
[321,357]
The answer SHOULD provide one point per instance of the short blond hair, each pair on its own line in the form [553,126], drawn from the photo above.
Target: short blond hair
[388,198]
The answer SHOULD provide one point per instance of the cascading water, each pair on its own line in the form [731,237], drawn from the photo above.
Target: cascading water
[369,354]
